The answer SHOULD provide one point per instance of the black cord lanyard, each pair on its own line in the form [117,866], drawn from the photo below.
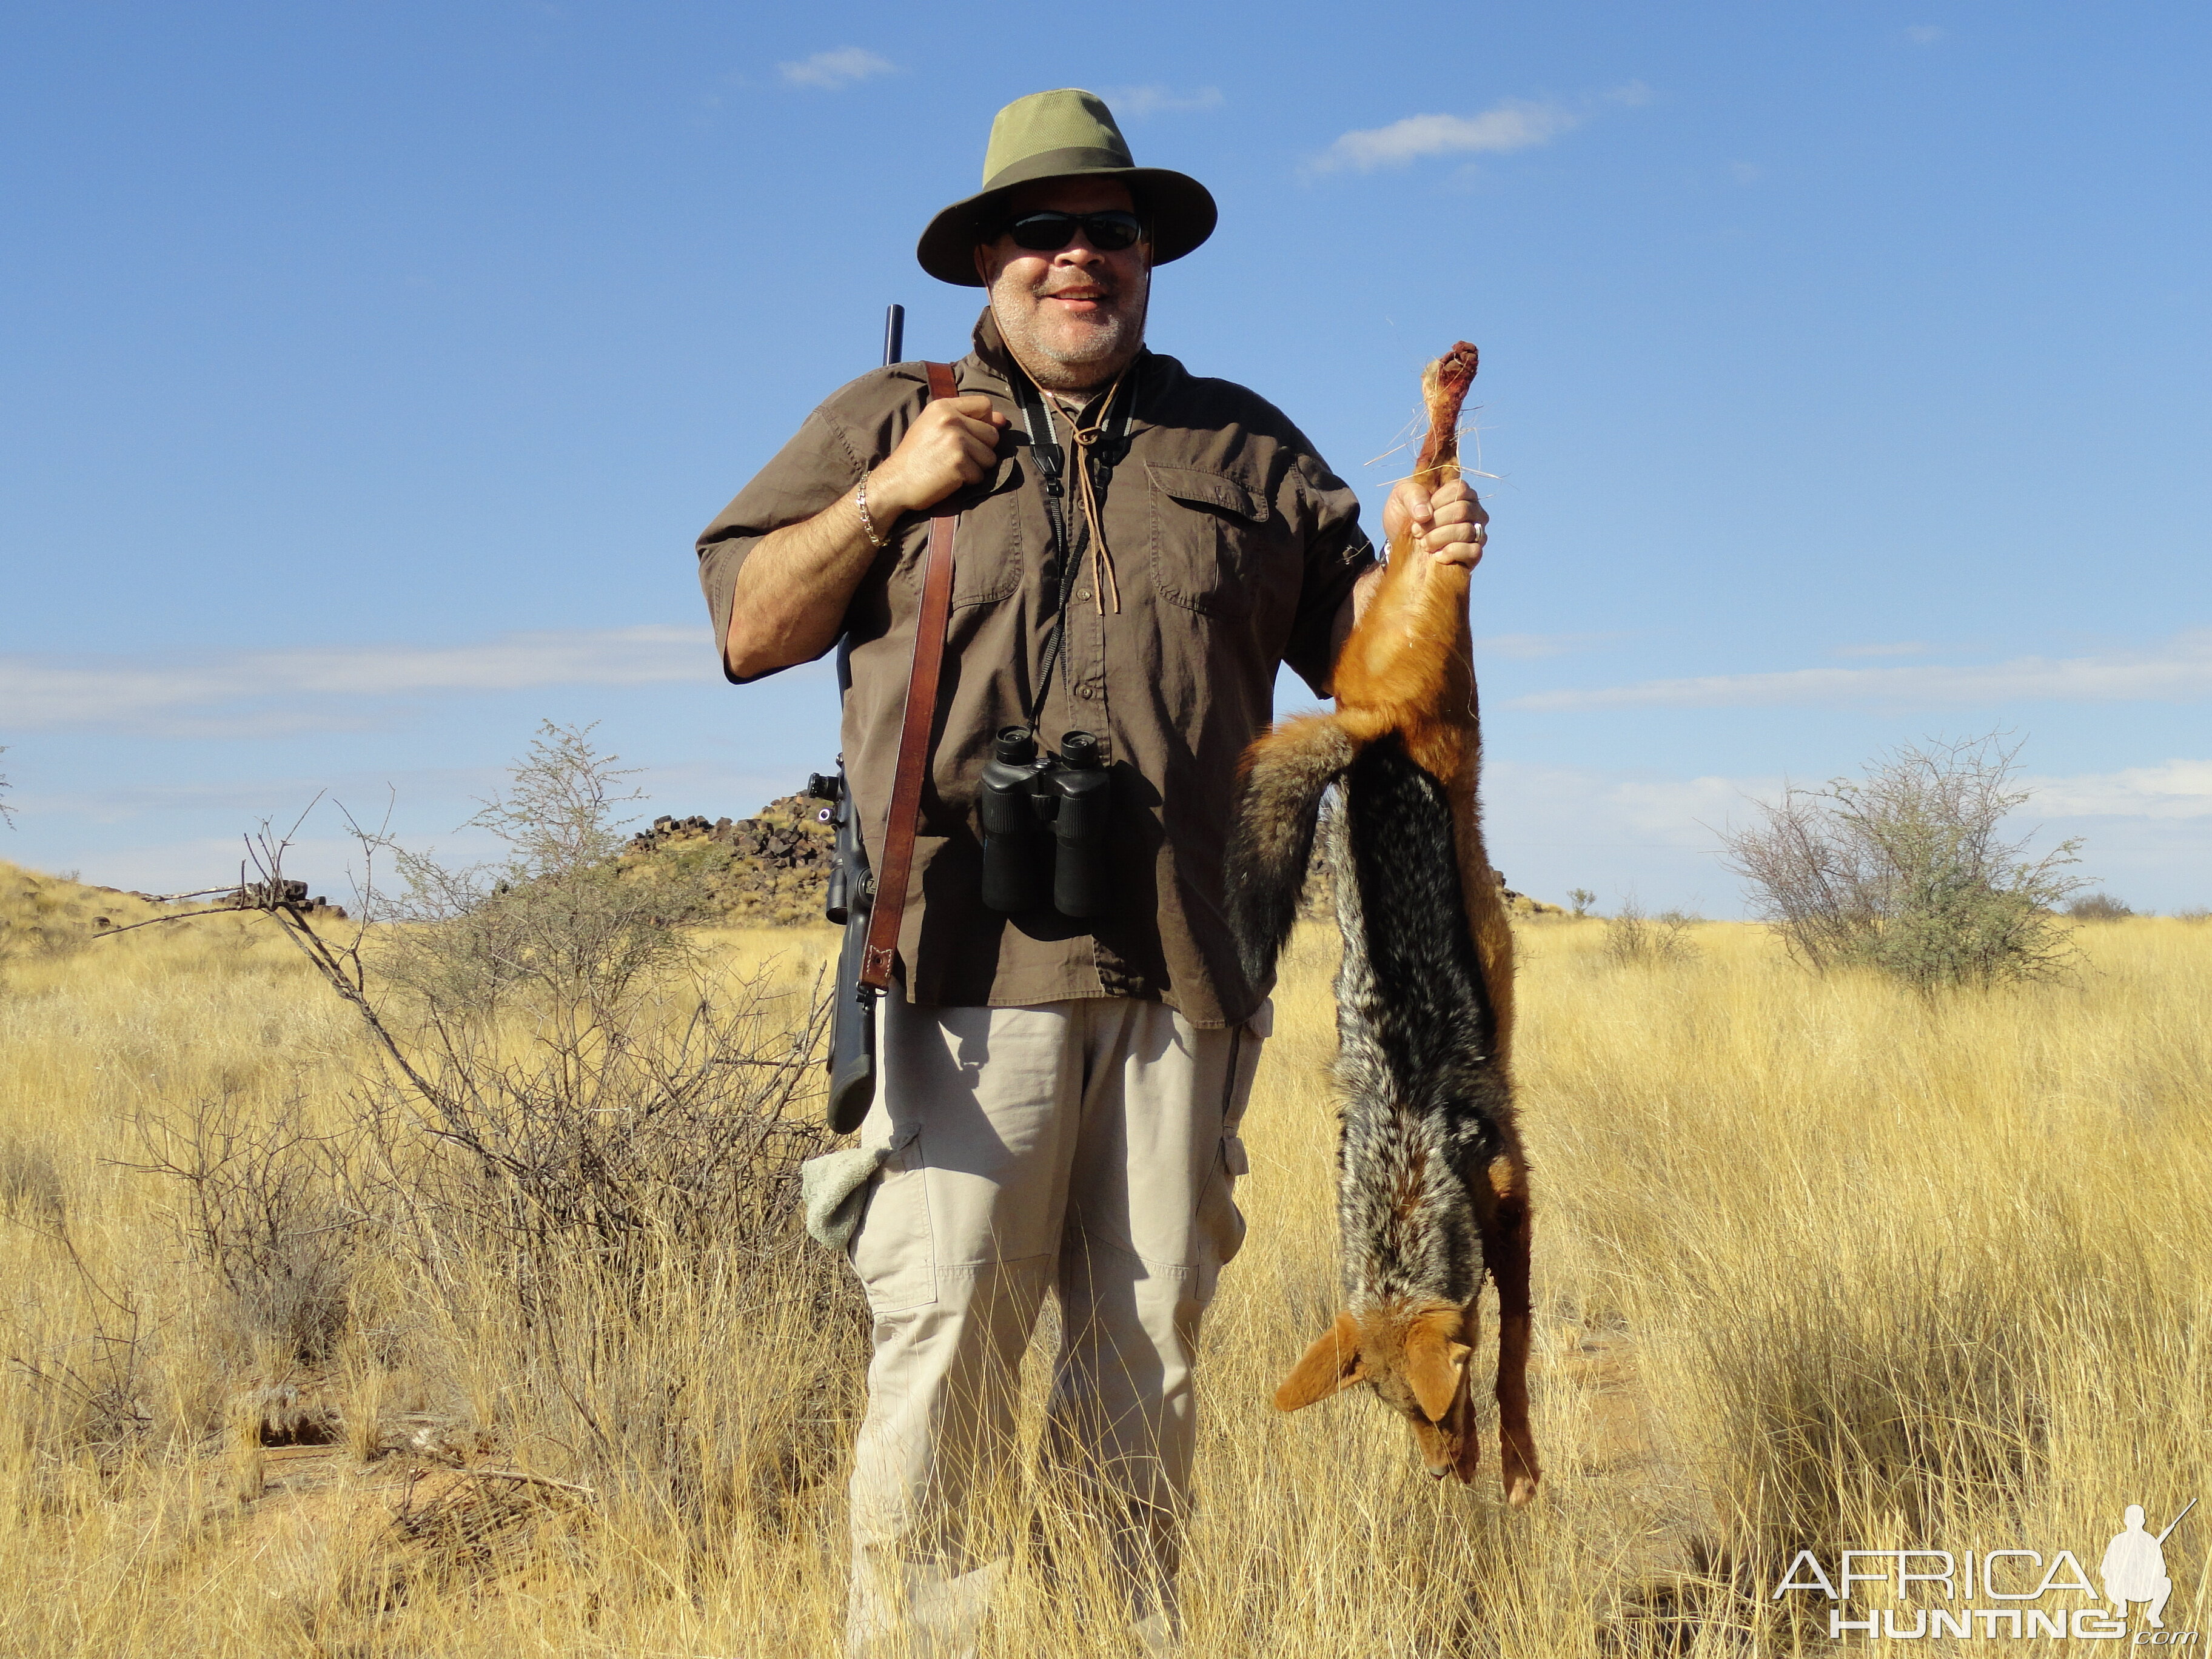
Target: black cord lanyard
[1044,445]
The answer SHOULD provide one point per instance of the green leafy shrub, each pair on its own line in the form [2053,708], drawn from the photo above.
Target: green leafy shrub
[558,921]
[1908,870]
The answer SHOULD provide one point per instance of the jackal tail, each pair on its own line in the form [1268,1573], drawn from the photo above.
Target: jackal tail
[1285,774]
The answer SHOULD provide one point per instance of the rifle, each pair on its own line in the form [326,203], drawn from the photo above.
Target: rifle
[2176,1522]
[852,894]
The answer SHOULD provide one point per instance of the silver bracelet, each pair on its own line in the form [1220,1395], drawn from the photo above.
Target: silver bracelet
[868,523]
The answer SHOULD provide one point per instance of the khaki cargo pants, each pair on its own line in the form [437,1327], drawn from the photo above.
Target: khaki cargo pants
[1089,1146]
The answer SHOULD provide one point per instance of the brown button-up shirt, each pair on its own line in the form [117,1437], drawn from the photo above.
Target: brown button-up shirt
[1233,548]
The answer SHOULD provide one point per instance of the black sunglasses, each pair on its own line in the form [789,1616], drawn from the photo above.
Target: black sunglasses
[1050,231]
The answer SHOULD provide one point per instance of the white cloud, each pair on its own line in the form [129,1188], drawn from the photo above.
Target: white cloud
[1524,648]
[1902,648]
[2179,671]
[1550,828]
[686,786]
[246,798]
[1503,128]
[332,687]
[830,71]
[75,827]
[2174,789]
[1136,103]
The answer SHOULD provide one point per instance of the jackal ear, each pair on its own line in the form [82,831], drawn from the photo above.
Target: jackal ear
[1331,1364]
[1435,1361]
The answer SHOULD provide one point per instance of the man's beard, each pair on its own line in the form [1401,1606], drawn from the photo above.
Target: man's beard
[1106,346]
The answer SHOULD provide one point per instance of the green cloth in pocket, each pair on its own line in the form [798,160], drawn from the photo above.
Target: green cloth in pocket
[832,1187]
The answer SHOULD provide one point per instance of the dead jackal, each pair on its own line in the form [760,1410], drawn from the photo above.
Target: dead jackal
[1432,1185]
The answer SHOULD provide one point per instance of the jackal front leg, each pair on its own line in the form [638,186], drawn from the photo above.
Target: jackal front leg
[1502,1212]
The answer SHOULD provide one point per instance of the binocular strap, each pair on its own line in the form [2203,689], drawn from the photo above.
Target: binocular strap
[896,864]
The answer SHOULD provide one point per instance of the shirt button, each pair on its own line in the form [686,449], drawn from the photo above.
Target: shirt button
[1082,593]
[1090,691]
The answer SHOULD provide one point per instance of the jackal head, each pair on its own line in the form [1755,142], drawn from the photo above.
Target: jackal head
[1415,1359]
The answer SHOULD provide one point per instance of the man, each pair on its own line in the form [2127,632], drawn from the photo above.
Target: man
[1137,550]
[2133,1568]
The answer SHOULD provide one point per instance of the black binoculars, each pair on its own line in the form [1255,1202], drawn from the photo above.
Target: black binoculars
[1045,825]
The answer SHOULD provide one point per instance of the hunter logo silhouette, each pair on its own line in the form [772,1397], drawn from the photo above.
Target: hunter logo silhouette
[2133,1568]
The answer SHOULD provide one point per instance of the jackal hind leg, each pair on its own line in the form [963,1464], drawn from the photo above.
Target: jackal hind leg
[1503,1215]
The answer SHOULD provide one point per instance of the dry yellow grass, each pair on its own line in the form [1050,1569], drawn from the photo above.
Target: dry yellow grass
[1819,1265]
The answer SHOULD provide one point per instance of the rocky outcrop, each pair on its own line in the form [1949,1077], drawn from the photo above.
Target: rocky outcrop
[771,869]
[268,896]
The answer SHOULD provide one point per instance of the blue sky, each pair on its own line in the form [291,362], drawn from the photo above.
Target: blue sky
[370,368]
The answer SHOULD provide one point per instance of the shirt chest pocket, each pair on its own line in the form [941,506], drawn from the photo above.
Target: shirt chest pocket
[1211,538]
[986,564]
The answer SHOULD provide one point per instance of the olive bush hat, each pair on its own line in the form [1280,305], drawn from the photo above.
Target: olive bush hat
[1069,134]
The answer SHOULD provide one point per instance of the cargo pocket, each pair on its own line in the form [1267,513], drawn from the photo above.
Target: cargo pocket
[1210,540]
[1220,1222]
[894,1247]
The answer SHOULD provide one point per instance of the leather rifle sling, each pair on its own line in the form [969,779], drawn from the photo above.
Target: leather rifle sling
[889,906]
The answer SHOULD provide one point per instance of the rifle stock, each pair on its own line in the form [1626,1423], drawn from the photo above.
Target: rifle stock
[852,1035]
[849,900]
